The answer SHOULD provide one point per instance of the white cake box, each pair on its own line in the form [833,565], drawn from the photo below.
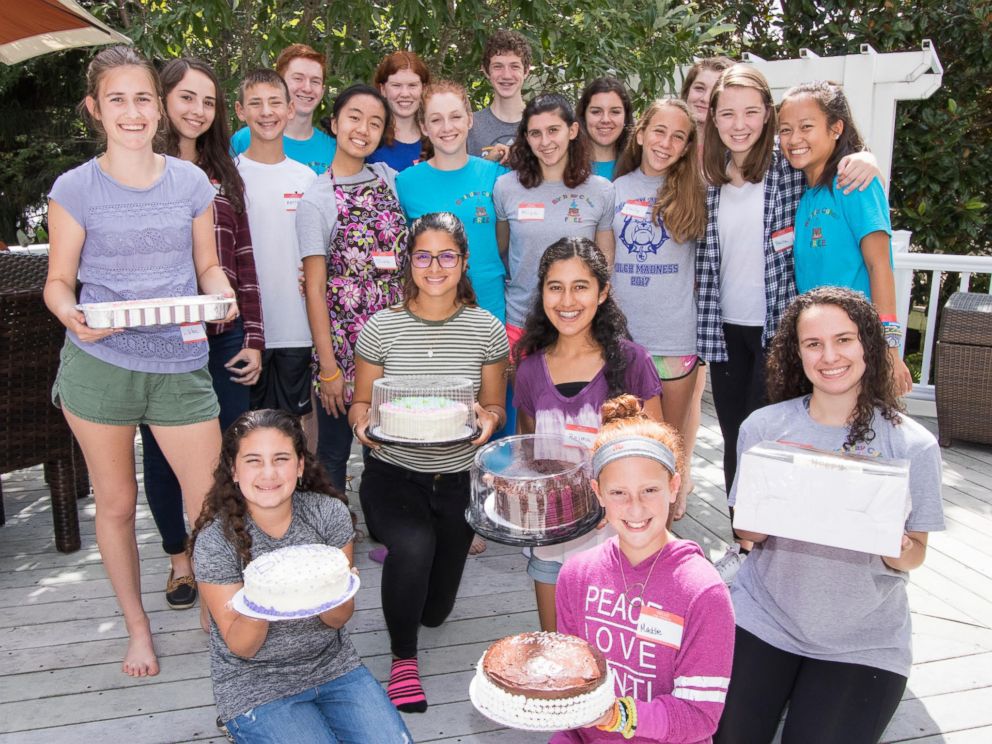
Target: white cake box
[162,311]
[827,498]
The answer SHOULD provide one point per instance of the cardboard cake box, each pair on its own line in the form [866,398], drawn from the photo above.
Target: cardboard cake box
[829,498]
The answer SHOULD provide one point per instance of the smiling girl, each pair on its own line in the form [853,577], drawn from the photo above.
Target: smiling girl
[842,239]
[607,118]
[575,355]
[401,77]
[352,236]
[292,680]
[132,224]
[696,91]
[824,629]
[651,603]
[659,213]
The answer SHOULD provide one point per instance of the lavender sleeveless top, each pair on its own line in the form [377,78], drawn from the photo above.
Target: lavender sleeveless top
[138,245]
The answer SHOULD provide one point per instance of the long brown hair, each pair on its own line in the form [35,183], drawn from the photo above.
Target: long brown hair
[681,200]
[525,162]
[786,378]
[225,502]
[213,146]
[449,224]
[715,153]
[713,64]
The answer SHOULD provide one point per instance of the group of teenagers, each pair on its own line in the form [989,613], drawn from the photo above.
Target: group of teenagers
[581,267]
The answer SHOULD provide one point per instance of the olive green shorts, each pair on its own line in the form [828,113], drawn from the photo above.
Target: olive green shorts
[103,393]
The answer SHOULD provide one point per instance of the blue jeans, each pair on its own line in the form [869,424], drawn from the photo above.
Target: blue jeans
[333,445]
[352,708]
[165,498]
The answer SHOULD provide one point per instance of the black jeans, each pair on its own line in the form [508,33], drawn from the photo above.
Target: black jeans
[738,389]
[830,702]
[420,517]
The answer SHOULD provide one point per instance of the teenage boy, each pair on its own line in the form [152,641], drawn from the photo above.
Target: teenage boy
[302,68]
[505,63]
[274,185]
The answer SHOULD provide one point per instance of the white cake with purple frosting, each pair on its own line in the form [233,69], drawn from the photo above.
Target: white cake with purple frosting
[296,581]
[425,418]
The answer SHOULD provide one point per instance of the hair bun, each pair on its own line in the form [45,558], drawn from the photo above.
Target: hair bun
[622,407]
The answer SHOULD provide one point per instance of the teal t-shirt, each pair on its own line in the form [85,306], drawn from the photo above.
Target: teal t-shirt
[604,168]
[829,228]
[468,194]
[315,153]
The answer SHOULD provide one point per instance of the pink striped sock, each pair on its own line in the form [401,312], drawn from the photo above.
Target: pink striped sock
[404,686]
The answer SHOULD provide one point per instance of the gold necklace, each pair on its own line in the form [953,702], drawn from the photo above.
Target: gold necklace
[643,584]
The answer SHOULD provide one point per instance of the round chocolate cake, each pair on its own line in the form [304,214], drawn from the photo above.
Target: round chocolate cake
[542,682]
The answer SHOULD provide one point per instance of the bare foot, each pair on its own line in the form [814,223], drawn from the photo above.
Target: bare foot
[140,659]
[478,546]
[678,508]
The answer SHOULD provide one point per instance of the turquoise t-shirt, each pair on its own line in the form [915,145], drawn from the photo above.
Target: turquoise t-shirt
[468,194]
[315,153]
[604,168]
[829,228]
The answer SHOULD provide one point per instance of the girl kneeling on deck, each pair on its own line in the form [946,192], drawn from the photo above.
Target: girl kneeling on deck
[823,629]
[651,603]
[293,680]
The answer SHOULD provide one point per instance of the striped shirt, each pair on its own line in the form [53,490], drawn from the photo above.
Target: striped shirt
[407,346]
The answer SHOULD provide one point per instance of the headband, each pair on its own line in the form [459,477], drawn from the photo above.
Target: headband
[632,447]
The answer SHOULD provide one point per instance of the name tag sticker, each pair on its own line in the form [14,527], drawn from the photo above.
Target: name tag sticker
[385,260]
[580,436]
[530,211]
[292,199]
[635,208]
[663,628]
[784,239]
[192,332]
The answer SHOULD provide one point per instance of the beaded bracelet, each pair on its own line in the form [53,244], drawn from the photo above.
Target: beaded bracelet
[332,378]
[624,718]
[630,726]
[892,332]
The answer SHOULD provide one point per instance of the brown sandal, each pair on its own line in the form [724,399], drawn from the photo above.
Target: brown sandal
[180,593]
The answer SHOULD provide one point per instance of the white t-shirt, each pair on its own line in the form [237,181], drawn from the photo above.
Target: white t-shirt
[272,192]
[742,254]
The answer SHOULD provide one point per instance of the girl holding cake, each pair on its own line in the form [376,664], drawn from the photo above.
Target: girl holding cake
[824,629]
[292,680]
[417,496]
[652,604]
[575,355]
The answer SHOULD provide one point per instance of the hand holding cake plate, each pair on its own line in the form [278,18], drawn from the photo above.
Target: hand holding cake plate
[422,411]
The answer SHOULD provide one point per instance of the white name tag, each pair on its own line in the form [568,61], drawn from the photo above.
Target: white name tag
[784,239]
[192,332]
[663,628]
[637,209]
[385,260]
[292,199]
[530,211]
[580,436]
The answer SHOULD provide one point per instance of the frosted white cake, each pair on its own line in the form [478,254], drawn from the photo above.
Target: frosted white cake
[296,581]
[423,418]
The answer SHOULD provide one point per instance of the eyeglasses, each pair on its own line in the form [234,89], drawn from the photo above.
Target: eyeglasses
[445,259]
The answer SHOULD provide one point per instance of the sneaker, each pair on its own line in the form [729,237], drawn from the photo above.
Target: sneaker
[180,593]
[730,564]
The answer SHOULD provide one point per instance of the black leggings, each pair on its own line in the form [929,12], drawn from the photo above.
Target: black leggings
[830,702]
[738,388]
[420,517]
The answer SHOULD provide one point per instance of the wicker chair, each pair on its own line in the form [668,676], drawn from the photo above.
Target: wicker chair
[32,430]
[964,369]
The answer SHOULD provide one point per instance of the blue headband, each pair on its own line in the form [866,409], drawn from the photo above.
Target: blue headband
[632,447]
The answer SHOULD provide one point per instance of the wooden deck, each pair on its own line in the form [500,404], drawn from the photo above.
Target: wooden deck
[62,636]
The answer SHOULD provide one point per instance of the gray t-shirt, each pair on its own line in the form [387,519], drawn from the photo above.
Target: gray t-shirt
[296,654]
[653,275]
[540,216]
[830,603]
[487,130]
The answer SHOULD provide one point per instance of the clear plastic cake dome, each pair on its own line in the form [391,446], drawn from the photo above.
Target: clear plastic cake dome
[532,489]
[422,410]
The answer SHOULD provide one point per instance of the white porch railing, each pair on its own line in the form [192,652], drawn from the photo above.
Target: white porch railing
[906,264]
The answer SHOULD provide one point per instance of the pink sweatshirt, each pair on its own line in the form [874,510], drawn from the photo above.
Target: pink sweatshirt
[673,657]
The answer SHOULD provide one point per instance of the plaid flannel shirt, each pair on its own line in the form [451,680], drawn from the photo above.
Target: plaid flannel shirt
[783,187]
[238,262]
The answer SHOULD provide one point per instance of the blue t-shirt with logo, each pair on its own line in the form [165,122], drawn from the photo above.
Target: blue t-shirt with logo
[468,194]
[829,228]
[399,156]
[315,153]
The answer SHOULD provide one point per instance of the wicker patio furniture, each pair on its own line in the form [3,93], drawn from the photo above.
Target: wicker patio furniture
[964,369]
[32,430]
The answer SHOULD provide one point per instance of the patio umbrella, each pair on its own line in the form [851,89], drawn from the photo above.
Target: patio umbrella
[32,27]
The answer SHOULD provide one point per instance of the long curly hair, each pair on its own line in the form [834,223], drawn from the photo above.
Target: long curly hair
[609,325]
[525,162]
[786,379]
[213,146]
[226,504]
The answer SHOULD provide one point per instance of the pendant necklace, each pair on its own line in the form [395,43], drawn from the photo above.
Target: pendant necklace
[642,584]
